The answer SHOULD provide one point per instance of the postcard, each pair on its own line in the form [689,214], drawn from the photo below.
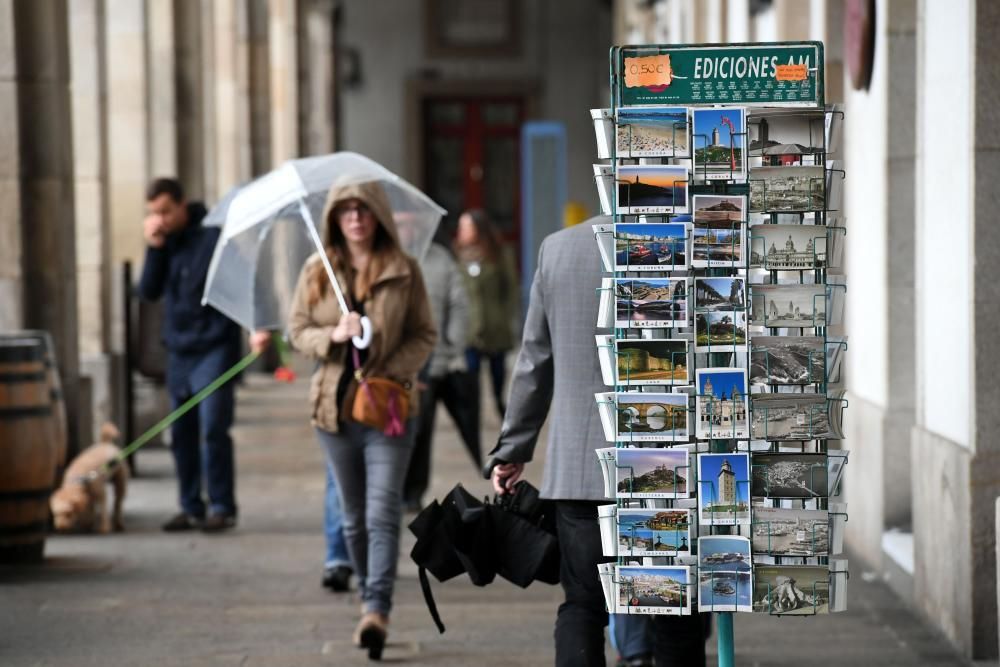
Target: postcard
[787,360]
[725,590]
[724,489]
[720,331]
[652,417]
[653,132]
[781,531]
[789,417]
[720,294]
[801,476]
[788,247]
[721,409]
[654,532]
[717,553]
[652,189]
[717,235]
[719,137]
[776,189]
[644,361]
[651,246]
[791,589]
[784,137]
[651,302]
[797,306]
[662,590]
[652,472]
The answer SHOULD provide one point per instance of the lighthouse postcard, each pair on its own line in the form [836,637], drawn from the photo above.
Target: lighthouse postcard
[719,137]
[724,489]
[654,189]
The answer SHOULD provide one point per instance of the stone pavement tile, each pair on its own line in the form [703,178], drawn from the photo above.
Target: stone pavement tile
[251,597]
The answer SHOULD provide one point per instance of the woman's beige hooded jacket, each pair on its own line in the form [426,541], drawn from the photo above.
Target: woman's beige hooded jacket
[397,304]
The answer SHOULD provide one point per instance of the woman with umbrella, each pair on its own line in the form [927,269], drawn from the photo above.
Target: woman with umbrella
[385,286]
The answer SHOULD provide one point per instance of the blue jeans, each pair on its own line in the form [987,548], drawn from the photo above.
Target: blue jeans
[631,635]
[200,440]
[336,545]
[370,468]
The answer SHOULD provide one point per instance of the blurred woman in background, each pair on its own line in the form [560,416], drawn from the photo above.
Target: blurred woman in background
[490,272]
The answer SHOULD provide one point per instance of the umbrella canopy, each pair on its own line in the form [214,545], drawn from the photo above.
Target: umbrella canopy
[272,225]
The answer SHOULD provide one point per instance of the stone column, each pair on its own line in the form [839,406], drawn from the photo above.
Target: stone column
[283,40]
[11,275]
[260,88]
[45,144]
[984,482]
[86,43]
[128,128]
[231,139]
[317,66]
[188,73]
[162,88]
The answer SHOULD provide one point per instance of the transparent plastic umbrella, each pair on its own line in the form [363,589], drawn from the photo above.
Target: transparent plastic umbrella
[271,226]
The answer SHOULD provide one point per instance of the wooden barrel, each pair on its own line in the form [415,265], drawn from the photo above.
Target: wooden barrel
[58,404]
[28,450]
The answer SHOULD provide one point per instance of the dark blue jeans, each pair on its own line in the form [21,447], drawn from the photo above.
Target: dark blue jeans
[498,370]
[201,444]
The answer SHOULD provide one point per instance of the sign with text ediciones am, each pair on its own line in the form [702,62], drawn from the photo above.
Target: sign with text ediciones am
[774,73]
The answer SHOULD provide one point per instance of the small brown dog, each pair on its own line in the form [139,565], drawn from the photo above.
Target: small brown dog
[81,503]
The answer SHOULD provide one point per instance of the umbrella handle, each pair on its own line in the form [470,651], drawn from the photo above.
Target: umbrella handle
[365,339]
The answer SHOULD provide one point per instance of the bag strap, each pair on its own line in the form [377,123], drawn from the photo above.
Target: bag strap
[425,587]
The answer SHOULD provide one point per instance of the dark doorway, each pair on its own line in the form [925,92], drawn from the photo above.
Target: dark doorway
[472,157]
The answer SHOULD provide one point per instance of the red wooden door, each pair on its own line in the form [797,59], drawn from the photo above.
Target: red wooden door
[472,158]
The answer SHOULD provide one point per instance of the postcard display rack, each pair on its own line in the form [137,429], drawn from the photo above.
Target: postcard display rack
[725,194]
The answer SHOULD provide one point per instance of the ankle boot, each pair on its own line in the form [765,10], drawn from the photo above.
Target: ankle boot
[371,633]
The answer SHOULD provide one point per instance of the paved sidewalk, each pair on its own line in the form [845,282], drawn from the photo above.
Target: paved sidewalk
[252,597]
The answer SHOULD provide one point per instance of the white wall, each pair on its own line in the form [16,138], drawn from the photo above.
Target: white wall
[565,47]
[945,219]
[865,155]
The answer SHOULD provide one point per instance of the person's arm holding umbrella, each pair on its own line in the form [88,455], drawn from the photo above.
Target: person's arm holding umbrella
[315,340]
[530,394]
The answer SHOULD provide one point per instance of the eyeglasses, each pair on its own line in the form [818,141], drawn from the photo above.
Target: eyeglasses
[360,208]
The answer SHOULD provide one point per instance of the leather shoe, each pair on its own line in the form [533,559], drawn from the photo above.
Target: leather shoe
[216,523]
[183,521]
[337,578]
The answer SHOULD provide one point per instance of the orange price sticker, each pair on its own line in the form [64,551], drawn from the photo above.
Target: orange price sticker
[791,72]
[647,71]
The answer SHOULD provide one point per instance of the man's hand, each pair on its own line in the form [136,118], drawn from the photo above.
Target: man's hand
[153,231]
[259,340]
[348,327]
[505,476]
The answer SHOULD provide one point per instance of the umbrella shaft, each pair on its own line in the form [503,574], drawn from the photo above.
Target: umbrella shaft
[307,216]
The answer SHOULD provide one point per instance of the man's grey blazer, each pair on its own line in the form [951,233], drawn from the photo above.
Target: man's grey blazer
[558,366]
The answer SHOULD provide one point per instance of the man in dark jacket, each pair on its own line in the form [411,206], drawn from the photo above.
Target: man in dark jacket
[201,344]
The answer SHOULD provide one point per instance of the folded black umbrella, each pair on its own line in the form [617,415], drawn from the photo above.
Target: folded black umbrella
[513,537]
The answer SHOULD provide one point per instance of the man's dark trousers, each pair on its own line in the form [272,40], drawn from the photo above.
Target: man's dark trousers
[201,443]
[678,640]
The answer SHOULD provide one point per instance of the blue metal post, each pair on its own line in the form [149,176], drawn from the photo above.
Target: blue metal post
[727,651]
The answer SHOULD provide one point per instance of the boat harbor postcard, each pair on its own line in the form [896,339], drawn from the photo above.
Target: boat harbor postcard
[651,246]
[654,532]
[653,589]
